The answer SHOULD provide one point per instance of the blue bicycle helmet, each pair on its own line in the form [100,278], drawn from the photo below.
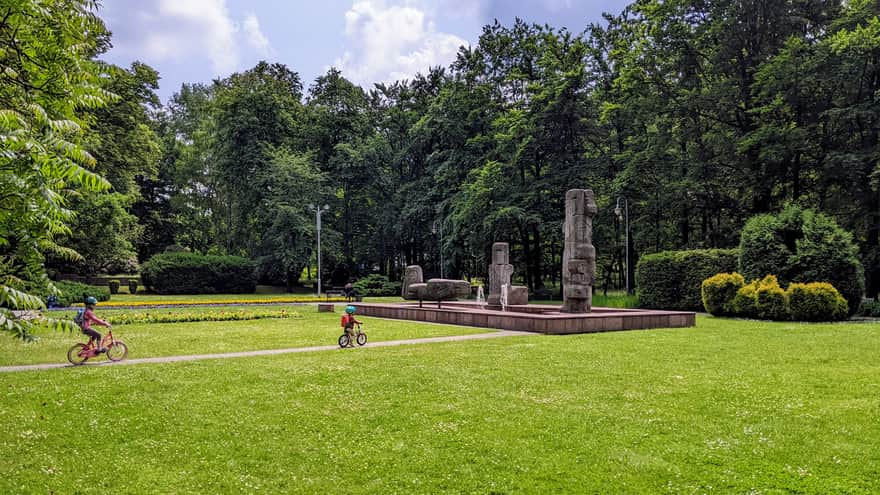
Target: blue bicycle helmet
[350,309]
[91,301]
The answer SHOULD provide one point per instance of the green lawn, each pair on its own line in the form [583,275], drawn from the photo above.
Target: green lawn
[170,339]
[728,407]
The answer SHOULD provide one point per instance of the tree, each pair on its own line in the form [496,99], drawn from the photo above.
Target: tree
[47,79]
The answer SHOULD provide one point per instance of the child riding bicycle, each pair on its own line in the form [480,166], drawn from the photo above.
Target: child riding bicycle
[85,317]
[348,323]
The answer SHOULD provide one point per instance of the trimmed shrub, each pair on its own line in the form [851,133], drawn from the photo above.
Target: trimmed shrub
[132,286]
[718,292]
[870,308]
[673,279]
[114,286]
[75,292]
[802,246]
[770,302]
[191,273]
[817,301]
[376,285]
[746,300]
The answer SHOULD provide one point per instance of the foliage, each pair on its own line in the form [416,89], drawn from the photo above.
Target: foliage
[114,286]
[816,301]
[48,80]
[802,246]
[71,293]
[746,300]
[673,279]
[870,308]
[718,292]
[157,316]
[376,285]
[191,273]
[132,286]
[770,300]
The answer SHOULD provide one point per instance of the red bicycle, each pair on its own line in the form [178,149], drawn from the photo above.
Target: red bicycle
[116,350]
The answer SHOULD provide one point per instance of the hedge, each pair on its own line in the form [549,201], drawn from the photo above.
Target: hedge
[802,246]
[376,285]
[673,279]
[75,292]
[816,301]
[766,300]
[191,273]
[718,292]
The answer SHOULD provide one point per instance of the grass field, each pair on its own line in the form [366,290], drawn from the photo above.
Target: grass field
[728,407]
[171,339]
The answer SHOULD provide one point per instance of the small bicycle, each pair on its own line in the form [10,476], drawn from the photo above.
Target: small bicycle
[360,338]
[116,350]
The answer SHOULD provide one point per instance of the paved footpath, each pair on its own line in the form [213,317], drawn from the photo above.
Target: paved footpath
[271,352]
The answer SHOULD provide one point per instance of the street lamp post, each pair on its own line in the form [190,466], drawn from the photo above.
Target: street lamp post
[318,210]
[623,214]
[434,230]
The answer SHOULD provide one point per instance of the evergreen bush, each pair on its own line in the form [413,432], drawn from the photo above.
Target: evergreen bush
[674,279]
[114,286]
[75,292]
[802,246]
[746,300]
[718,292]
[376,285]
[132,286]
[817,301]
[191,273]
[770,301]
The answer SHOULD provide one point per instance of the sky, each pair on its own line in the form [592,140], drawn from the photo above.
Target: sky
[370,41]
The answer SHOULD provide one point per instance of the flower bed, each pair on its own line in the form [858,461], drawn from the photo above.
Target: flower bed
[215,302]
[116,318]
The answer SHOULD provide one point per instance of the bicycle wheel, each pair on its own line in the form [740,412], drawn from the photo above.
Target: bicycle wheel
[117,351]
[344,340]
[362,338]
[73,354]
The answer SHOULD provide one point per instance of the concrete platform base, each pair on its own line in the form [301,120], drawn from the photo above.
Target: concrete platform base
[530,318]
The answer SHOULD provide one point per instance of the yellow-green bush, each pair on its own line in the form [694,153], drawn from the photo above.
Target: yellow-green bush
[816,301]
[770,301]
[718,292]
[746,300]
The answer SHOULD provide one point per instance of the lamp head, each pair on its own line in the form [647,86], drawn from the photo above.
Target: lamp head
[618,212]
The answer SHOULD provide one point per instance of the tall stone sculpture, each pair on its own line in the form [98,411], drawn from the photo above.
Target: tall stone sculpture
[411,276]
[579,255]
[500,272]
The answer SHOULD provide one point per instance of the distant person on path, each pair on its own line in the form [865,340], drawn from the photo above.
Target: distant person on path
[348,291]
[348,323]
[86,317]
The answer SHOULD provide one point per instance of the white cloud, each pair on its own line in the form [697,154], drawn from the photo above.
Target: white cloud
[255,38]
[159,31]
[391,42]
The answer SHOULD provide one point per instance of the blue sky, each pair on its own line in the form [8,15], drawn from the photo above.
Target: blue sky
[369,40]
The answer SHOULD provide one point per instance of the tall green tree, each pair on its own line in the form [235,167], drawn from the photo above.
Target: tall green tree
[48,79]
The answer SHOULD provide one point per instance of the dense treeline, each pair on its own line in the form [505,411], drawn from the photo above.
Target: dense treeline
[701,114]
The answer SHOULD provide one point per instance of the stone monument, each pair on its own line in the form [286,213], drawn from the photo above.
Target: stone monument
[412,275]
[500,272]
[579,255]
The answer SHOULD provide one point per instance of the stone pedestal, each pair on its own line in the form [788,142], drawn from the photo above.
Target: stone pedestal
[579,255]
[500,272]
